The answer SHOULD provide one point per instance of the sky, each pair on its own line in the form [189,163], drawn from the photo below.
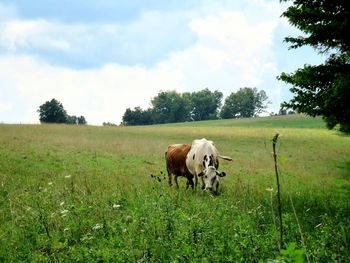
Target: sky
[100,57]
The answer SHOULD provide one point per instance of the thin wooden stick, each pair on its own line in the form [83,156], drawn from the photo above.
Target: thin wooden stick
[279,205]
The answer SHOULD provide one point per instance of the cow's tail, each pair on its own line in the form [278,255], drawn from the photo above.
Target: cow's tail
[227,158]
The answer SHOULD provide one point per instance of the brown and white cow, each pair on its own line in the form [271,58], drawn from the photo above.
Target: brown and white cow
[175,157]
[202,161]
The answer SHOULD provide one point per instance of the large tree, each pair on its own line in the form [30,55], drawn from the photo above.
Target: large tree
[324,89]
[170,106]
[137,116]
[246,102]
[52,112]
[205,104]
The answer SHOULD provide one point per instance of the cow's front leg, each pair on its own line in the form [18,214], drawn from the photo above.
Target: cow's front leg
[195,181]
[203,184]
[190,182]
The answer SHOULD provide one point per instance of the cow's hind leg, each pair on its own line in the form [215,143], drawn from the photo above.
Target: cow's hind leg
[170,181]
[175,179]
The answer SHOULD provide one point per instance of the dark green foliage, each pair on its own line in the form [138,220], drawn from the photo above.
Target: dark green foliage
[171,106]
[137,117]
[246,102]
[322,90]
[52,112]
[75,120]
[205,104]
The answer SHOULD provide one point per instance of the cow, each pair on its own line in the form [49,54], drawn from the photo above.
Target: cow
[202,161]
[175,157]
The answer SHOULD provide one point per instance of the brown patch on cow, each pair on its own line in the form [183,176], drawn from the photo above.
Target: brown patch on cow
[175,158]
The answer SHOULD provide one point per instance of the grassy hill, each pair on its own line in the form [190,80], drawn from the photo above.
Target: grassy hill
[84,193]
[286,121]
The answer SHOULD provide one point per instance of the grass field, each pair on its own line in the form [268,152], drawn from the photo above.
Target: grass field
[86,194]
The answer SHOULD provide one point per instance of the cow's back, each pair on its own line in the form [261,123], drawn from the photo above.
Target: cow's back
[176,158]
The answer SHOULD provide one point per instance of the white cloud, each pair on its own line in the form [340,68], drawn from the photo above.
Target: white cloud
[141,41]
[231,50]
[19,34]
[230,53]
[100,95]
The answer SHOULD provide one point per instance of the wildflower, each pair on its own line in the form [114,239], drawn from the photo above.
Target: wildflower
[64,212]
[115,206]
[269,189]
[87,237]
[68,176]
[97,226]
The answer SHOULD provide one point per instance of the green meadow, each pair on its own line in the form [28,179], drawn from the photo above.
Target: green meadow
[100,194]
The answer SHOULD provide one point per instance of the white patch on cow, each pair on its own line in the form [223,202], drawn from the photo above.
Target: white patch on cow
[202,161]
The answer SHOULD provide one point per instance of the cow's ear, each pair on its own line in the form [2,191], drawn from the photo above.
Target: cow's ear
[222,174]
[200,174]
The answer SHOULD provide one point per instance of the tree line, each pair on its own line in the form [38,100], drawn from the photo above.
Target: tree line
[54,112]
[171,106]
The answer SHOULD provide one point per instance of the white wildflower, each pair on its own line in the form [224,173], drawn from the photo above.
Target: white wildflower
[97,226]
[269,189]
[87,237]
[64,212]
[115,206]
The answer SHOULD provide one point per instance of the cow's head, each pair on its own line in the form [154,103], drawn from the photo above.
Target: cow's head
[210,178]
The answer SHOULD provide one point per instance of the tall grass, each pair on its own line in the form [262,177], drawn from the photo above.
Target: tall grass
[71,193]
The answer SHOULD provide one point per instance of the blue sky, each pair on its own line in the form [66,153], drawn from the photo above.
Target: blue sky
[99,57]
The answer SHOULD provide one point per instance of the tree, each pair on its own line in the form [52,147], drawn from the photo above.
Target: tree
[52,112]
[170,106]
[76,120]
[246,102]
[205,104]
[82,120]
[137,117]
[322,90]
